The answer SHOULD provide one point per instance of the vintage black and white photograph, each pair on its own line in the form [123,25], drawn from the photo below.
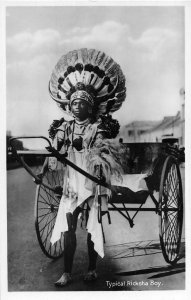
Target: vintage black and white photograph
[95,132]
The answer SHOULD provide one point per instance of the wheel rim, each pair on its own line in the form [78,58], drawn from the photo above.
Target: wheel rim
[46,208]
[171,210]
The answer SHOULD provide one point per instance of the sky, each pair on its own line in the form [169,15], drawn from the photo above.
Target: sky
[147,42]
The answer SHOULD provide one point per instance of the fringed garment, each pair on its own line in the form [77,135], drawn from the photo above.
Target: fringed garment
[86,148]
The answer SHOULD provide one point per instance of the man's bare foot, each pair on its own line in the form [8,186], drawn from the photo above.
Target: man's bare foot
[91,276]
[64,280]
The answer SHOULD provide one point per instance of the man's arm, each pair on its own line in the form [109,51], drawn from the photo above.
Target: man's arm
[57,140]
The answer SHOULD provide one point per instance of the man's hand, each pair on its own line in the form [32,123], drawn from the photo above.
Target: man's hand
[39,178]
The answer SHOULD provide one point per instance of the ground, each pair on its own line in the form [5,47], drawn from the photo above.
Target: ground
[133,258]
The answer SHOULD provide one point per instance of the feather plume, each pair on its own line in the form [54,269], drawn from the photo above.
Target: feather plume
[109,156]
[92,68]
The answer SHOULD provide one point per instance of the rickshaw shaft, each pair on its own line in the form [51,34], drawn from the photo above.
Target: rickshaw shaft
[141,209]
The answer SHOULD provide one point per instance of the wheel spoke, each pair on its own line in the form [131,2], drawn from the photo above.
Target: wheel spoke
[172,182]
[44,216]
[42,229]
[170,228]
[171,220]
[174,195]
[45,240]
[41,208]
[48,232]
[45,201]
[50,196]
[170,197]
[47,208]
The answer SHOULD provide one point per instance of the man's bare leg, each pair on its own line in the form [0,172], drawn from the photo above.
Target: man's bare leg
[69,248]
[92,254]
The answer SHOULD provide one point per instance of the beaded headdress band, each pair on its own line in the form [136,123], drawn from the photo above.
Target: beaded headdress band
[82,95]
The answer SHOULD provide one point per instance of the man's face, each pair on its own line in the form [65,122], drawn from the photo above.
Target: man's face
[80,109]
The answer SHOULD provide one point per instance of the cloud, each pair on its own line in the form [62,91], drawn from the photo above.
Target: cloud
[26,44]
[107,32]
[113,37]
[154,36]
[26,41]
[77,30]
[33,55]
[155,49]
[154,41]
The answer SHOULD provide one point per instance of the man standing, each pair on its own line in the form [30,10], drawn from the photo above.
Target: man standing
[88,85]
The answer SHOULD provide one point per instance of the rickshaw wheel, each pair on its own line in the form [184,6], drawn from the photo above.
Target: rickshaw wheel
[170,210]
[46,208]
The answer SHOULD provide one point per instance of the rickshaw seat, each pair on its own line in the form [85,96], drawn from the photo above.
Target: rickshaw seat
[122,194]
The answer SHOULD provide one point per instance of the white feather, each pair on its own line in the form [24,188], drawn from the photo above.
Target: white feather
[87,77]
[72,78]
[65,85]
[78,76]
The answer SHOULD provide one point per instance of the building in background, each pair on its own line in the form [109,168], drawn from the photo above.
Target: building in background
[133,132]
[155,131]
[170,126]
[182,122]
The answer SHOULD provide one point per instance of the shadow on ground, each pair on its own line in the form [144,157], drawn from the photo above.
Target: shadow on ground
[139,248]
[146,248]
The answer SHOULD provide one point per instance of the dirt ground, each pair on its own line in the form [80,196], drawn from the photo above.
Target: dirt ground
[133,258]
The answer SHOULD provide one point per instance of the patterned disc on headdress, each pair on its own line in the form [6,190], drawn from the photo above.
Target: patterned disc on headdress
[92,71]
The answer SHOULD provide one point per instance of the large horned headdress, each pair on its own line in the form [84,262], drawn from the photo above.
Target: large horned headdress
[91,75]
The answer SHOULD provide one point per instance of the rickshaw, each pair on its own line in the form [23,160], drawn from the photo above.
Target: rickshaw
[158,161]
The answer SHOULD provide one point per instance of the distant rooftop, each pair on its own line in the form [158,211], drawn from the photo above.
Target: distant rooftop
[167,122]
[144,125]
